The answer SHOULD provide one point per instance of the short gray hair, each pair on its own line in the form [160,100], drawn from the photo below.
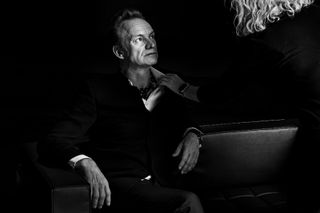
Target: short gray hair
[120,17]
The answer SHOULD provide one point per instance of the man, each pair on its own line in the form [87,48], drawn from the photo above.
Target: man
[139,138]
[275,73]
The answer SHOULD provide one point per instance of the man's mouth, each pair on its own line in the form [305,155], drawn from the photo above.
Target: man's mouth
[153,53]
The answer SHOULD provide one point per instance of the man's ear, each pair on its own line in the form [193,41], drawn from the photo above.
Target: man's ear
[117,51]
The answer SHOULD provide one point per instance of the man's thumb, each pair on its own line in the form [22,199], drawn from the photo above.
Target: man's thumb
[178,150]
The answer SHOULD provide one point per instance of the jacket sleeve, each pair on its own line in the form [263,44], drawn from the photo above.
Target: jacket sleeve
[61,142]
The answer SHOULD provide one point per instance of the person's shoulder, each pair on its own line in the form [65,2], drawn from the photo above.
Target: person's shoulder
[308,14]
[312,10]
[306,17]
[293,30]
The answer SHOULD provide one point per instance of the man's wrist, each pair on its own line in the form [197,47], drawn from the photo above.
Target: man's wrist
[183,88]
[195,131]
[73,162]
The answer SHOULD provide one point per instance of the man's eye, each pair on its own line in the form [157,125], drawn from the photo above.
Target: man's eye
[139,39]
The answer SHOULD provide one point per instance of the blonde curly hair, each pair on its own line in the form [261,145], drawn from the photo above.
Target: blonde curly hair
[253,15]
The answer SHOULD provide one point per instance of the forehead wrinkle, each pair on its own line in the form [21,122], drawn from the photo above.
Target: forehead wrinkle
[137,28]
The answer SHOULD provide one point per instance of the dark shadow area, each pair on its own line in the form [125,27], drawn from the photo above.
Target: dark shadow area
[53,45]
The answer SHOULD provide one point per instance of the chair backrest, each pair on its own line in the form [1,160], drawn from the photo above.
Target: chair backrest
[245,153]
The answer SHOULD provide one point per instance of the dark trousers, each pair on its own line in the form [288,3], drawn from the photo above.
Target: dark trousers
[147,196]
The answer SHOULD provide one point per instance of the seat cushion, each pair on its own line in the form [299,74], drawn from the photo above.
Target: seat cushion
[257,199]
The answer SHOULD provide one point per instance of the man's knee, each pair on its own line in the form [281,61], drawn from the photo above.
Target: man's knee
[190,204]
[191,197]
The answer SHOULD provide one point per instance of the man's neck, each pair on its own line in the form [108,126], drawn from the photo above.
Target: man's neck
[139,77]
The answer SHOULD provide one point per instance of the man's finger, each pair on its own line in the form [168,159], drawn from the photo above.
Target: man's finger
[187,166]
[91,191]
[95,197]
[102,196]
[166,80]
[164,83]
[108,196]
[177,151]
[191,162]
[184,160]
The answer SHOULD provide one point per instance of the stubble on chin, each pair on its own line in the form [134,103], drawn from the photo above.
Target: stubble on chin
[151,59]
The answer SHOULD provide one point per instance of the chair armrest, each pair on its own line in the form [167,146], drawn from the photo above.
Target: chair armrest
[68,191]
[243,154]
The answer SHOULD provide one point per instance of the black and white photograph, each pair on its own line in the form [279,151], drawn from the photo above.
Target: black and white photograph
[118,106]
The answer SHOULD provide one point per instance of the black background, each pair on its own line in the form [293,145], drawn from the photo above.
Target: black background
[55,31]
[53,43]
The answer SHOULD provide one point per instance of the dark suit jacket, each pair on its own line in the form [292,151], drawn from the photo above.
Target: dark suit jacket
[109,122]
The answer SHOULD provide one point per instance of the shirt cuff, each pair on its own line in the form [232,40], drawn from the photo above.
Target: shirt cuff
[195,130]
[73,161]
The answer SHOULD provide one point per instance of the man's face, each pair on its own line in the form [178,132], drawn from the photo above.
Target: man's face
[137,39]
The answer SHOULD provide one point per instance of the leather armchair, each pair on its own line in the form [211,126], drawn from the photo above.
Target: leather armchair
[45,189]
[241,168]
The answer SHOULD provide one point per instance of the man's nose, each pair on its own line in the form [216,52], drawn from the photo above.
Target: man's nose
[150,43]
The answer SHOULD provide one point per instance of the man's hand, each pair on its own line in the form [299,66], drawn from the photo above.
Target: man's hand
[172,81]
[189,148]
[100,191]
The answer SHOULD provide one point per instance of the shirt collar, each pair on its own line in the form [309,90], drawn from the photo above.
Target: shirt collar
[156,73]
